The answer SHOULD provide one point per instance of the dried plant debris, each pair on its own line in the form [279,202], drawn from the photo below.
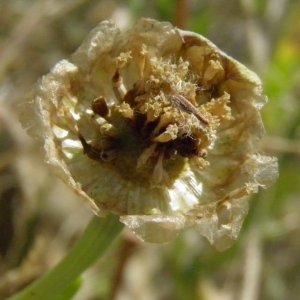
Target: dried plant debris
[156,125]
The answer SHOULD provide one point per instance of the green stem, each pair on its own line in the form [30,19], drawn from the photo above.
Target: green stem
[96,238]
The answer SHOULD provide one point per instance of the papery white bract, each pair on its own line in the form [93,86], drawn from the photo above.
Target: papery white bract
[156,125]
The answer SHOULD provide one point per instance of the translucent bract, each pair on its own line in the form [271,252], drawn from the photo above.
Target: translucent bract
[156,125]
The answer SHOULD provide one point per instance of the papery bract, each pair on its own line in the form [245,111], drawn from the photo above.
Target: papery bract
[156,125]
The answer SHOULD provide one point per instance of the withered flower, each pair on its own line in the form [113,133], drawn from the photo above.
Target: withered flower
[156,125]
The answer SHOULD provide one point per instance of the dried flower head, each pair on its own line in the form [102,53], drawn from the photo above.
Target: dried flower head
[156,125]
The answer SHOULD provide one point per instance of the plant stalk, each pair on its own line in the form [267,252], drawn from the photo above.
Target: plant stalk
[92,244]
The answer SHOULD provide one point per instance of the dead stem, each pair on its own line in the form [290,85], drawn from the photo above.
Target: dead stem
[126,251]
[182,13]
[280,144]
[252,267]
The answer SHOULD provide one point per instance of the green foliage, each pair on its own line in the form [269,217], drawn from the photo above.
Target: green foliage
[70,291]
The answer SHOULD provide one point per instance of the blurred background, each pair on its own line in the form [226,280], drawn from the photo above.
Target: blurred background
[40,219]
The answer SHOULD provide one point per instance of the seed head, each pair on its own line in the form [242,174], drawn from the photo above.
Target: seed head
[156,125]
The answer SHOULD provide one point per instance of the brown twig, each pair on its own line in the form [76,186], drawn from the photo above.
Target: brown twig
[280,144]
[126,251]
[250,288]
[182,13]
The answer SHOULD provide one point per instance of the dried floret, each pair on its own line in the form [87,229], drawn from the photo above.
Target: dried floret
[156,125]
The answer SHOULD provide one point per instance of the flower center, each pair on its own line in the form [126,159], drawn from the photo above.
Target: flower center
[156,127]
